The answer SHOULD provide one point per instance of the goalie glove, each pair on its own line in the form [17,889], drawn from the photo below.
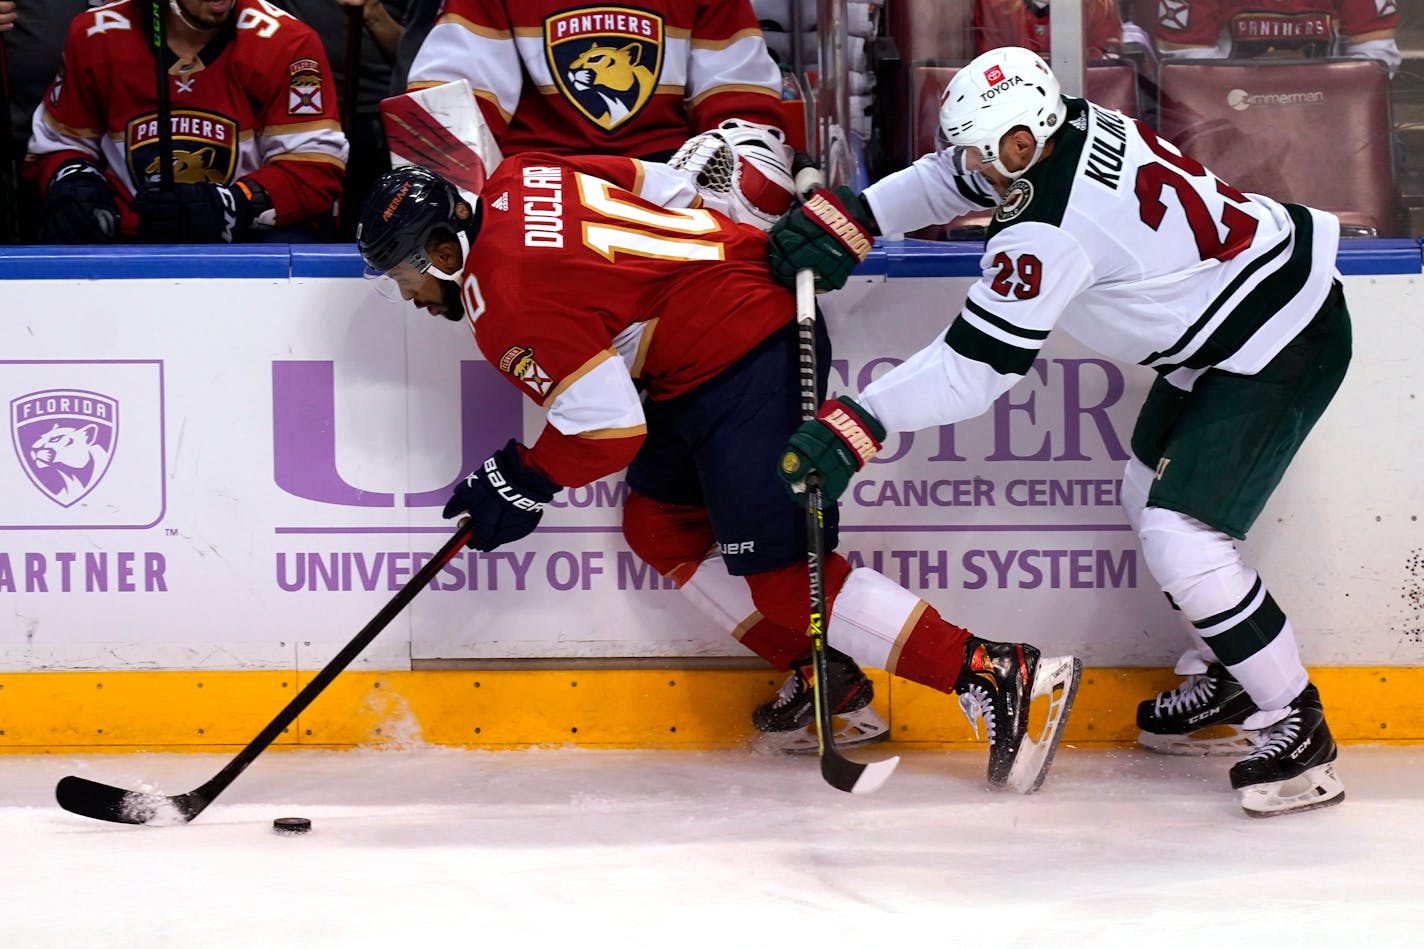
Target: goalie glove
[741,169]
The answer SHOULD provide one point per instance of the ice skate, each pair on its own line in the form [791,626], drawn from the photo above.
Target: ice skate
[1292,767]
[998,683]
[1201,716]
[789,719]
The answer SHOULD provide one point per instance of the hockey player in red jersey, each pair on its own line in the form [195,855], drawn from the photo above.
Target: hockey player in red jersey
[587,280]
[255,138]
[1292,28]
[1144,255]
[689,79]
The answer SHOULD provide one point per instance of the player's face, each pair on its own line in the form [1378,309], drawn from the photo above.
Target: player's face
[1016,150]
[437,297]
[207,14]
[974,161]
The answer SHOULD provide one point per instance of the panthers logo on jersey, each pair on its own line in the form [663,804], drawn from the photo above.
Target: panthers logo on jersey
[204,147]
[605,61]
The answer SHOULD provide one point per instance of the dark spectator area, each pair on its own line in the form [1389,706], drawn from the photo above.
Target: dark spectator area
[1336,122]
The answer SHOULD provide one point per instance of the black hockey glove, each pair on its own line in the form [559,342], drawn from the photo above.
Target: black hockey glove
[504,499]
[830,232]
[79,206]
[194,213]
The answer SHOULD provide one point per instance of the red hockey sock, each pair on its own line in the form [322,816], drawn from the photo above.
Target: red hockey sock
[933,652]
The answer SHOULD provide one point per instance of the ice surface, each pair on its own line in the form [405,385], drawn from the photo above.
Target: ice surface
[673,849]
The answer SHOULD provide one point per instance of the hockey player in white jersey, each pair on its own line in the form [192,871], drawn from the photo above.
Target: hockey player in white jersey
[1142,254]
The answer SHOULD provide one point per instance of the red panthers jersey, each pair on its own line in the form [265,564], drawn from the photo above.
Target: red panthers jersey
[1257,27]
[604,79]
[258,103]
[1021,23]
[577,285]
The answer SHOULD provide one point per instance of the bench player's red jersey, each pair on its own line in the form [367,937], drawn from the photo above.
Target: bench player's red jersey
[257,103]
[1262,26]
[603,79]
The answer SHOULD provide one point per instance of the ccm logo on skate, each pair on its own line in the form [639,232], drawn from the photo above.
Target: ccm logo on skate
[501,486]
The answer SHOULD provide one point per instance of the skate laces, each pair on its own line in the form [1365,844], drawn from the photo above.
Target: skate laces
[1189,696]
[790,689]
[1274,739]
[976,702]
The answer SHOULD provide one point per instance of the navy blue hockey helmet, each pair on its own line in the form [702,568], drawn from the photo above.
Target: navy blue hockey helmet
[404,208]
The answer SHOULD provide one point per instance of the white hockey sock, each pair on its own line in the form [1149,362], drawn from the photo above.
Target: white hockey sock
[721,597]
[872,618]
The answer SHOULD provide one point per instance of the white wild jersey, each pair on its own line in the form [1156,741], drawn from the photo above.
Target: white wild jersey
[1137,251]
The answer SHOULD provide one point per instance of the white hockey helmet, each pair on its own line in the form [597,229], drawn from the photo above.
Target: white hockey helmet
[997,92]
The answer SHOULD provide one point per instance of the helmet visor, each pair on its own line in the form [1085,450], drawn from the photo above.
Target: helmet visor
[401,282]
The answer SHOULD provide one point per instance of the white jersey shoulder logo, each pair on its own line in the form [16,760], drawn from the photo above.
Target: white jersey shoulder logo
[1016,201]
[501,203]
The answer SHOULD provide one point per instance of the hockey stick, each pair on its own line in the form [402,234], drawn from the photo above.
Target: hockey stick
[104,802]
[839,771]
[164,108]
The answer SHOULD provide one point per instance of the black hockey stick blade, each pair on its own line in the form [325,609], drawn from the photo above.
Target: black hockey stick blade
[105,802]
[853,776]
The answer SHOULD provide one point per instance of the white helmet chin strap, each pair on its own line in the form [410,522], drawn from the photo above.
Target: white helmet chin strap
[998,163]
[439,274]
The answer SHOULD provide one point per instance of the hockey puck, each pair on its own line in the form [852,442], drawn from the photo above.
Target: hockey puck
[291,825]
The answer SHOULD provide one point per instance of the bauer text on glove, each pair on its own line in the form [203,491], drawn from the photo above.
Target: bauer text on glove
[829,233]
[835,444]
[503,497]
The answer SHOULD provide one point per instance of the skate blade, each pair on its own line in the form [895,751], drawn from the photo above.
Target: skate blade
[1220,741]
[1316,788]
[862,727]
[1057,678]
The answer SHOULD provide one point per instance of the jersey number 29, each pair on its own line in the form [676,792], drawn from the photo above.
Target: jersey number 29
[1154,177]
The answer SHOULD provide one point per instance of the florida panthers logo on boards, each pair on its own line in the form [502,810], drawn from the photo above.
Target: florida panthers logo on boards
[65,440]
[605,61]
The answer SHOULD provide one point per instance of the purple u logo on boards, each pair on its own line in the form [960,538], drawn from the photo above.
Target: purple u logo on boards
[65,440]
[304,432]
